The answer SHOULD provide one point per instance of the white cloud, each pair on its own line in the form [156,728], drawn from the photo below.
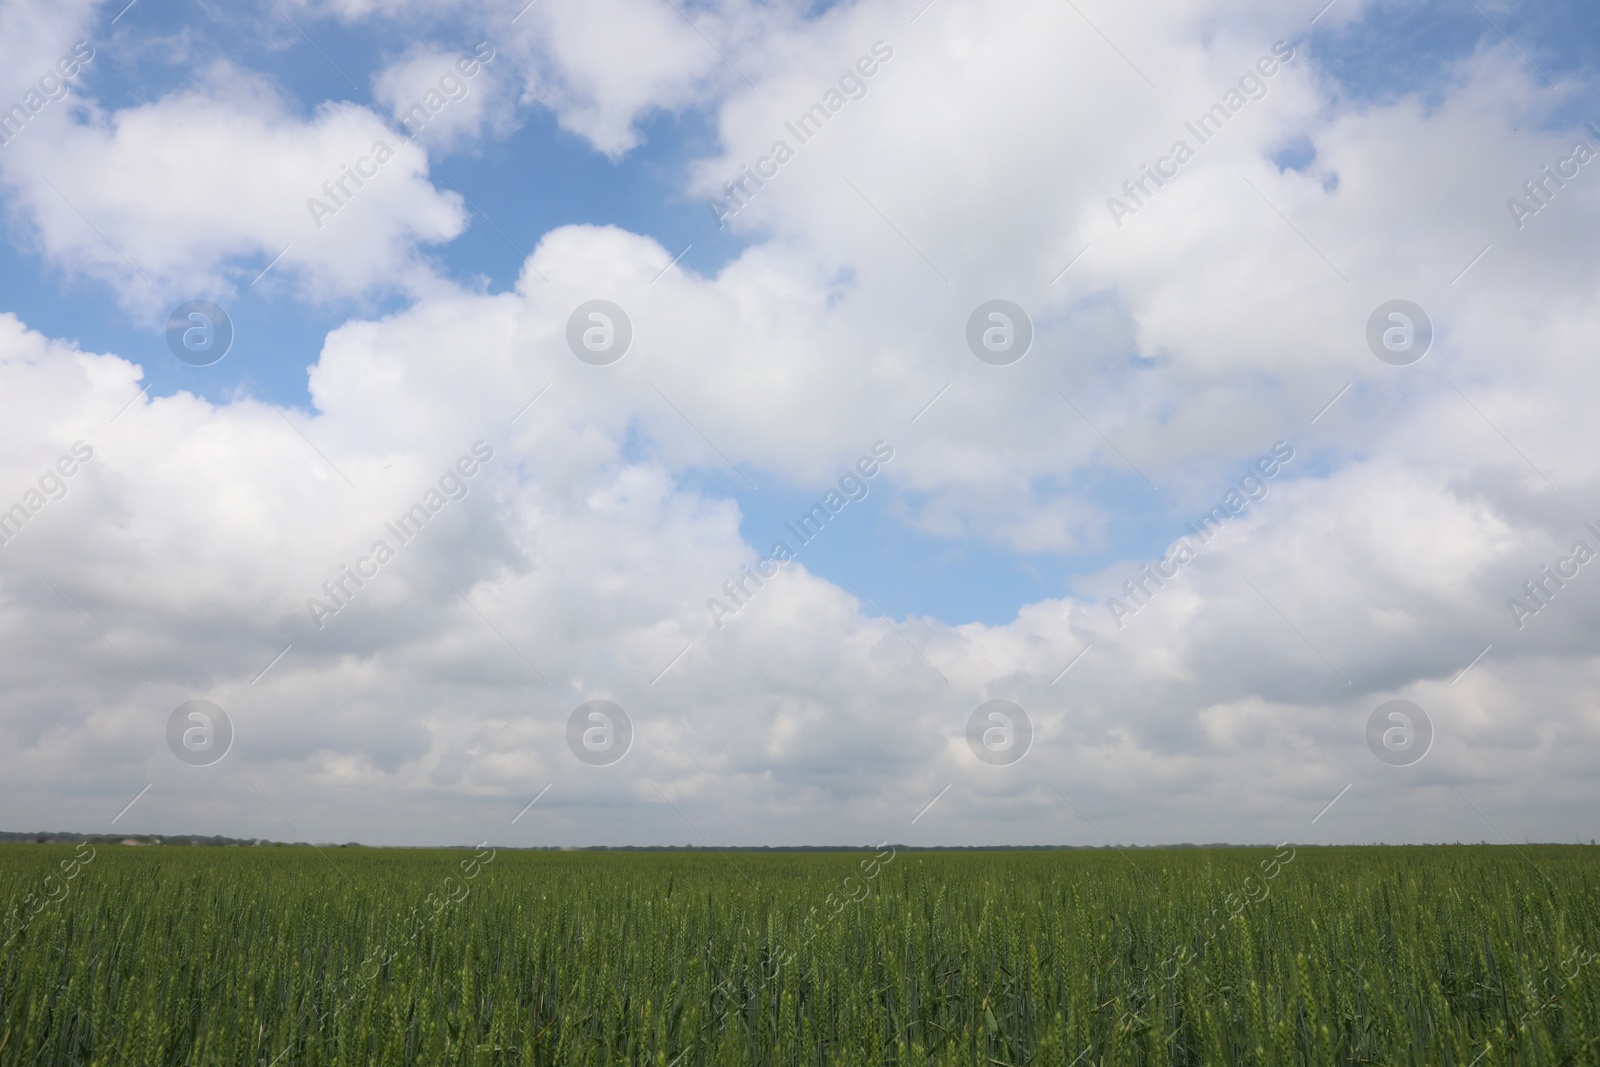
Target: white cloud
[605,66]
[443,97]
[198,191]
[34,34]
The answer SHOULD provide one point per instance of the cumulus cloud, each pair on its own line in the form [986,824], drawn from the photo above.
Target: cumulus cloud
[444,97]
[602,66]
[198,191]
[605,66]
[34,34]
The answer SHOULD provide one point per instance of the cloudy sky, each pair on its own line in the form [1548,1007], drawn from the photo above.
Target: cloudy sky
[798,379]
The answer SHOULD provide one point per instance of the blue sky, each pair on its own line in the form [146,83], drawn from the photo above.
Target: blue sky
[786,343]
[539,177]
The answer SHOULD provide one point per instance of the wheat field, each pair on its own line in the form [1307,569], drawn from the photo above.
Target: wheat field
[1470,956]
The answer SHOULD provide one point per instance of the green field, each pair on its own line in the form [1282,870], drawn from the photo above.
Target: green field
[1424,955]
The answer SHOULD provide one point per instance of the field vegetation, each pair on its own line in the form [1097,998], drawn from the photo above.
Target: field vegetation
[1438,956]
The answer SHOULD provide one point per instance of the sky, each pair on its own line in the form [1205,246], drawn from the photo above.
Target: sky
[750,422]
